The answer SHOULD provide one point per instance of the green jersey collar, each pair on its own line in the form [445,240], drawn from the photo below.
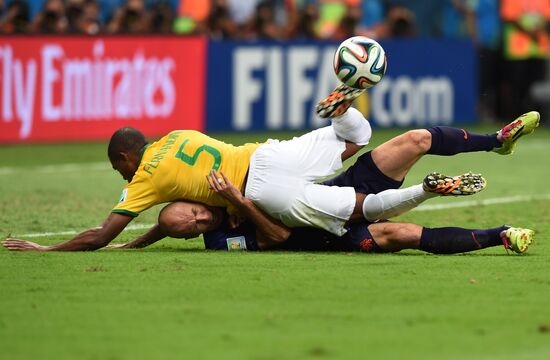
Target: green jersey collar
[142,151]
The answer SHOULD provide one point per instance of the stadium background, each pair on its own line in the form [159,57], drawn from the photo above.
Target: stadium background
[74,71]
[77,70]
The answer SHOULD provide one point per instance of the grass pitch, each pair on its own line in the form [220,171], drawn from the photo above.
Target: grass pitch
[174,300]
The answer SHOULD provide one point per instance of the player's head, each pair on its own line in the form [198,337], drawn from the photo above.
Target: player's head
[186,220]
[124,151]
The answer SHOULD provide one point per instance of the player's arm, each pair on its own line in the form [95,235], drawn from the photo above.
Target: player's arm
[269,232]
[150,237]
[91,239]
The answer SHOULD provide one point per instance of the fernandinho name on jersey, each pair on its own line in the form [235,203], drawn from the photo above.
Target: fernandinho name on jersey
[152,164]
[174,168]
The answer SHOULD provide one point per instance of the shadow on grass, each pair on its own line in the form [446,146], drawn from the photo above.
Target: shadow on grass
[170,249]
[473,254]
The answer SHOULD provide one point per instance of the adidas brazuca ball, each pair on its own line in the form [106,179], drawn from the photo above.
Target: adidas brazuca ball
[360,62]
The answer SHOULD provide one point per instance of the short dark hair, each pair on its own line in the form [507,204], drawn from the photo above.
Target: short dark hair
[125,139]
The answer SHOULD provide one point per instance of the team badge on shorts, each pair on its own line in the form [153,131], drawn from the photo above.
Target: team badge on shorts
[236,243]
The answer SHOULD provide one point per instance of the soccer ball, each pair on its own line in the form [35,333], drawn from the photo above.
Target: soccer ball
[360,62]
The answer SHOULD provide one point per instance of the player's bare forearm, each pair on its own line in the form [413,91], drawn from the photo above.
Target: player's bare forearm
[150,237]
[269,232]
[87,240]
[96,238]
[91,239]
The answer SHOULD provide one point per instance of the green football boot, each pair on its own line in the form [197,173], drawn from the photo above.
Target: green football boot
[517,239]
[509,135]
[465,184]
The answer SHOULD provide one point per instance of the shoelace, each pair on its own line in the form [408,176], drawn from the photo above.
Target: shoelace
[505,134]
[506,242]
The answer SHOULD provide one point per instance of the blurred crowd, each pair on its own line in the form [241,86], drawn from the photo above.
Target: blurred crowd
[239,19]
[511,36]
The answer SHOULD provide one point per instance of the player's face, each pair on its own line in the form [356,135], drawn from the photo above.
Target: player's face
[186,220]
[203,219]
[126,166]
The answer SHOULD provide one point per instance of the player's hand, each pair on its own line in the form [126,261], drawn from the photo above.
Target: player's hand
[221,185]
[22,245]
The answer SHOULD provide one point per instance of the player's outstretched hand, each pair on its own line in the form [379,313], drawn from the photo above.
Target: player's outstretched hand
[221,184]
[22,245]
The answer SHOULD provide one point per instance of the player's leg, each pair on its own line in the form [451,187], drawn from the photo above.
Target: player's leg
[394,202]
[509,135]
[448,141]
[298,203]
[348,123]
[453,240]
[353,127]
[392,237]
[338,101]
[351,149]
[395,157]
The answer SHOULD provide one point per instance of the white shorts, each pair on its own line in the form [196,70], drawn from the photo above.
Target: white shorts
[281,176]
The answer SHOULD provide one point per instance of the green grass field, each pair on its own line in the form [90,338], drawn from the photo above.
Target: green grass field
[174,300]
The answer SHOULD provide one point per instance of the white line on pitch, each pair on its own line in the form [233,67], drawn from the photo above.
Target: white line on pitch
[459,204]
[73,232]
[492,201]
[60,168]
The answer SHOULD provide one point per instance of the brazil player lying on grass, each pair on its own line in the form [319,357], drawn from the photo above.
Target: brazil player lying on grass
[280,175]
[188,220]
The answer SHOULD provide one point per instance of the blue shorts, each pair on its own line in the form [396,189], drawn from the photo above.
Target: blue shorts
[365,177]
[358,238]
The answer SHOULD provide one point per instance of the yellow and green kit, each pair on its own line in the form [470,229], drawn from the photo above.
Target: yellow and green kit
[175,168]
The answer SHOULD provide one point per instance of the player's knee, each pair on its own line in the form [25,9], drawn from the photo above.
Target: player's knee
[386,235]
[381,232]
[396,236]
[353,127]
[372,207]
[421,140]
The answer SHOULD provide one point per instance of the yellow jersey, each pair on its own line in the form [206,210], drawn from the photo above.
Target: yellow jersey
[175,168]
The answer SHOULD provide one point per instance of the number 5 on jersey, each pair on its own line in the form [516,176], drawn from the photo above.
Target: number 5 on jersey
[192,159]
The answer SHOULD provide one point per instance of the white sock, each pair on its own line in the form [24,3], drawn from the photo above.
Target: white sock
[394,202]
[352,126]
